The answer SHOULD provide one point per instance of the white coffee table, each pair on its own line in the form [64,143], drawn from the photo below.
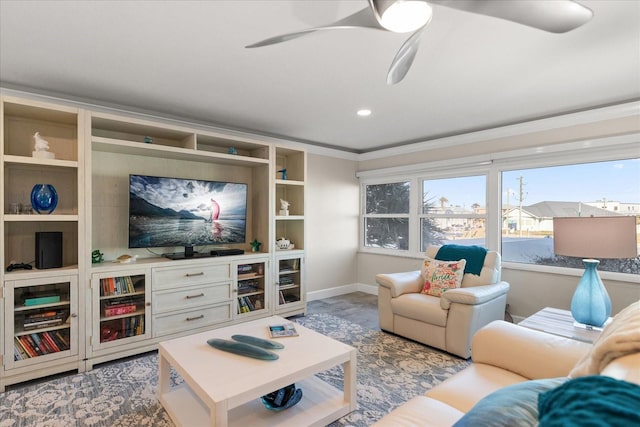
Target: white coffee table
[222,388]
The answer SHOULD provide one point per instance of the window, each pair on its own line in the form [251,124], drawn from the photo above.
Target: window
[532,197]
[386,216]
[454,210]
[504,201]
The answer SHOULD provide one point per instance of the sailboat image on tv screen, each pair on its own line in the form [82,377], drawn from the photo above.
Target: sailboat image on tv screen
[169,212]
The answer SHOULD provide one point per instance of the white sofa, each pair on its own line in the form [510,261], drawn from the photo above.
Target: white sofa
[505,354]
[447,322]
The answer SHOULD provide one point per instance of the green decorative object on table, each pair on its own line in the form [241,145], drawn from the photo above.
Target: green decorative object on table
[242,349]
[267,344]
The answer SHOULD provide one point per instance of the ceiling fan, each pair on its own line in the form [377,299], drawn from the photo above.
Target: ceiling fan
[403,16]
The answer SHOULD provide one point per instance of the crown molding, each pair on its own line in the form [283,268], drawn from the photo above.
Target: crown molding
[618,111]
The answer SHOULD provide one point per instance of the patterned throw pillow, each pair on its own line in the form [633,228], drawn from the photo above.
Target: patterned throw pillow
[439,276]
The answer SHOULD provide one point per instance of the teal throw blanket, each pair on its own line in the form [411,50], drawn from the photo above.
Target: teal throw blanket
[473,254]
[592,401]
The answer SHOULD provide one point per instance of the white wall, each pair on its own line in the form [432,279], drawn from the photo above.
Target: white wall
[331,216]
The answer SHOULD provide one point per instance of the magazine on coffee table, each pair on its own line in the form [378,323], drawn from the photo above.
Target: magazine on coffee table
[283,330]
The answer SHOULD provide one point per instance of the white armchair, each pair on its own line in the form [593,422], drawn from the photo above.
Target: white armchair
[447,322]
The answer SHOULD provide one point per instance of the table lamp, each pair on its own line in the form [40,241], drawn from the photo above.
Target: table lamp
[594,237]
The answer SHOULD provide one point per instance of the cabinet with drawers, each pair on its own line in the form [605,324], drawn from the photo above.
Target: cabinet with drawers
[188,297]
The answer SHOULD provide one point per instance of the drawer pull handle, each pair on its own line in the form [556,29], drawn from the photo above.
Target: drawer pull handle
[189,319]
[201,294]
[194,274]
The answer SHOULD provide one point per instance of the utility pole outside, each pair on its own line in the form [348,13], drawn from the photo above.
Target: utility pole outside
[521,196]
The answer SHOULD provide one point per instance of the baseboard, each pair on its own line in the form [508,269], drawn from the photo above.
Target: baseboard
[342,290]
[517,319]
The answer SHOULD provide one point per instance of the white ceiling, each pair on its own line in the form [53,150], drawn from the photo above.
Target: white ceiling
[186,59]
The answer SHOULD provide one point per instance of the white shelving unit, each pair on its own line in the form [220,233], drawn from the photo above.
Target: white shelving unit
[95,152]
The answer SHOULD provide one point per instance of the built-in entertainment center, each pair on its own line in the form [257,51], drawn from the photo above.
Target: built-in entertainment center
[167,229]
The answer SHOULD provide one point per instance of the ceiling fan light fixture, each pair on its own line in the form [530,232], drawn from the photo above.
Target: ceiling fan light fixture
[401,16]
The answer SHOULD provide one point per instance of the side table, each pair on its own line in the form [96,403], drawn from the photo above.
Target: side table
[560,322]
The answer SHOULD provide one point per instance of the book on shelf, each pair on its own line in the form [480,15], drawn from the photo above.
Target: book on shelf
[44,299]
[248,286]
[116,310]
[282,330]
[45,319]
[117,285]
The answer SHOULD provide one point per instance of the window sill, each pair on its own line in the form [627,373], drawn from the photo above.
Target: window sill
[564,271]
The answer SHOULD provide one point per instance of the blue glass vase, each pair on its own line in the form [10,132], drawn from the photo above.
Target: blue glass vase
[44,198]
[591,304]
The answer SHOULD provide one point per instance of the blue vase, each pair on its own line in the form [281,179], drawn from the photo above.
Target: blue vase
[591,304]
[44,198]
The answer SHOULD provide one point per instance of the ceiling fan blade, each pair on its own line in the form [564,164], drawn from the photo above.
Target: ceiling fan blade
[405,56]
[558,16]
[361,19]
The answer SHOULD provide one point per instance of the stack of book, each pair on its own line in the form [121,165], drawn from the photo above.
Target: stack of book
[116,307]
[286,280]
[39,344]
[45,319]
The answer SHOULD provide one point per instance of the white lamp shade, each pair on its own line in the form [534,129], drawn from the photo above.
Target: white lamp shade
[595,237]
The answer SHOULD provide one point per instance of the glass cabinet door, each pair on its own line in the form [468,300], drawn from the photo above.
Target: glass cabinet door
[41,320]
[251,288]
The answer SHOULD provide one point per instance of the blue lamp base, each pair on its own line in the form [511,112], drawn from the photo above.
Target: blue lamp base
[591,304]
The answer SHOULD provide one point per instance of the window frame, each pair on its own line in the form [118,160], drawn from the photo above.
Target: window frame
[422,215]
[364,215]
[622,147]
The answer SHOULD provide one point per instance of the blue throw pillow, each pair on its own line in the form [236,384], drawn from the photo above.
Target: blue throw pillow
[514,405]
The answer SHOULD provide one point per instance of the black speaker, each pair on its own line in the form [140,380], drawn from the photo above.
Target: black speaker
[48,249]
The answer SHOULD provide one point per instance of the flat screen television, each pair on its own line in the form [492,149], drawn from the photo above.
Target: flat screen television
[170,212]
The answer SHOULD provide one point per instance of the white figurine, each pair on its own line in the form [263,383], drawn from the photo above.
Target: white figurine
[284,208]
[41,147]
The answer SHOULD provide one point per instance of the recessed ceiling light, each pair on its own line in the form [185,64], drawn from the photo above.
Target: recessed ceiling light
[364,112]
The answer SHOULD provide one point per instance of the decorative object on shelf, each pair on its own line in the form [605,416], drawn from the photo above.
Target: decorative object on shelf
[126,259]
[282,399]
[15,208]
[255,245]
[596,237]
[44,198]
[232,150]
[97,257]
[148,140]
[41,148]
[284,208]
[284,173]
[283,243]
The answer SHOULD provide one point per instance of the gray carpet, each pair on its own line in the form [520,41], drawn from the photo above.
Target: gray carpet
[391,370]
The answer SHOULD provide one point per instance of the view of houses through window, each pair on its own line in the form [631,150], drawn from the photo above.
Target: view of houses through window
[454,210]
[533,197]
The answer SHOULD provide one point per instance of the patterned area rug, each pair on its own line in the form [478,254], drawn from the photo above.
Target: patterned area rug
[391,370]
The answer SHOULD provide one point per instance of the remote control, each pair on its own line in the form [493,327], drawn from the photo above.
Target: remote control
[12,267]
